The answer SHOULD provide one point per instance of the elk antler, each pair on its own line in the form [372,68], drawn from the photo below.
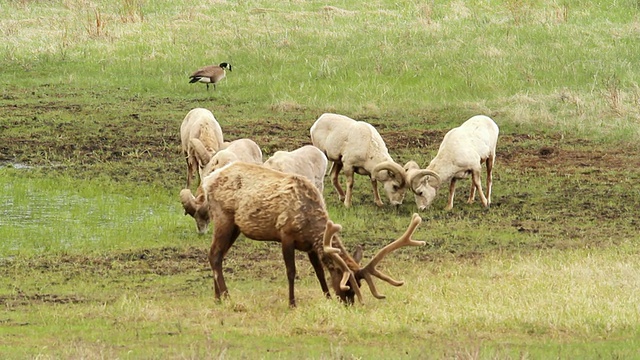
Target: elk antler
[347,274]
[404,240]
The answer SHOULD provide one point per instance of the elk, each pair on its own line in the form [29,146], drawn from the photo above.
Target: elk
[268,205]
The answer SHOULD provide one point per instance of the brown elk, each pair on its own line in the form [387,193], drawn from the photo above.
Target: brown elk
[264,204]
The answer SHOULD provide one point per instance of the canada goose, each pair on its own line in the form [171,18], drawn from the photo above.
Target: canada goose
[210,74]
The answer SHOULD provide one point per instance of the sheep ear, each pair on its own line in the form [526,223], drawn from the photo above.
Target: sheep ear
[382,175]
[188,202]
[200,152]
[427,176]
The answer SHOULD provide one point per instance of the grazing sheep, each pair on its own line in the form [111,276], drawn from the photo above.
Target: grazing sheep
[357,147]
[197,207]
[461,153]
[268,205]
[307,161]
[210,74]
[201,129]
[238,150]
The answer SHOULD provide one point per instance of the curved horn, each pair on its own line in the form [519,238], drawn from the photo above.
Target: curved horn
[420,174]
[188,202]
[404,240]
[393,168]
[347,274]
[200,152]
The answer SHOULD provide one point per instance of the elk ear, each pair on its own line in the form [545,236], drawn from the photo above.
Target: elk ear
[188,202]
[202,155]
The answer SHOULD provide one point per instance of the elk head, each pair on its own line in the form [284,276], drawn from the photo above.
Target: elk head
[352,274]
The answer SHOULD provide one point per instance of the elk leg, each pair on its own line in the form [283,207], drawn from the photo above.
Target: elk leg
[335,170]
[288,252]
[225,234]
[317,267]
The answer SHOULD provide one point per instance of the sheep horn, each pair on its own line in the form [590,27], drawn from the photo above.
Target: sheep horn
[188,202]
[396,171]
[419,175]
[200,152]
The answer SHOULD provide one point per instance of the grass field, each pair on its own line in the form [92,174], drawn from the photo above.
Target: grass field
[97,259]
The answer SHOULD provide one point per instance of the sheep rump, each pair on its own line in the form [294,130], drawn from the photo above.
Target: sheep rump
[307,161]
[199,128]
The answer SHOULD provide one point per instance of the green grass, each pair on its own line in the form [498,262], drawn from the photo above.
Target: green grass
[97,259]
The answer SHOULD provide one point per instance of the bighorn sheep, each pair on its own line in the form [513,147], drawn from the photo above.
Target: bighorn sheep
[462,152]
[356,146]
[199,127]
[268,205]
[238,150]
[307,161]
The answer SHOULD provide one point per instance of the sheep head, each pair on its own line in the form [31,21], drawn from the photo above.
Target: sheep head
[201,153]
[220,159]
[392,177]
[424,184]
[353,275]
[197,207]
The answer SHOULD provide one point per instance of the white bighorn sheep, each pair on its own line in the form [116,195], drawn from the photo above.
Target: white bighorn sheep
[357,147]
[238,150]
[199,127]
[269,205]
[307,161]
[461,153]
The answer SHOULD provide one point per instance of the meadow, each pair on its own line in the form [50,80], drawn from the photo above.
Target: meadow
[98,261]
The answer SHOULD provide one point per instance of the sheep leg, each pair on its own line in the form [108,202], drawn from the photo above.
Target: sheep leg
[288,253]
[376,194]
[317,267]
[475,177]
[452,193]
[225,235]
[189,173]
[335,170]
[349,194]
[472,193]
[489,163]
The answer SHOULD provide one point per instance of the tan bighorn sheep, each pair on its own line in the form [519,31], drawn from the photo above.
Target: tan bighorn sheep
[307,161]
[199,127]
[269,205]
[357,147]
[238,150]
[461,153]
